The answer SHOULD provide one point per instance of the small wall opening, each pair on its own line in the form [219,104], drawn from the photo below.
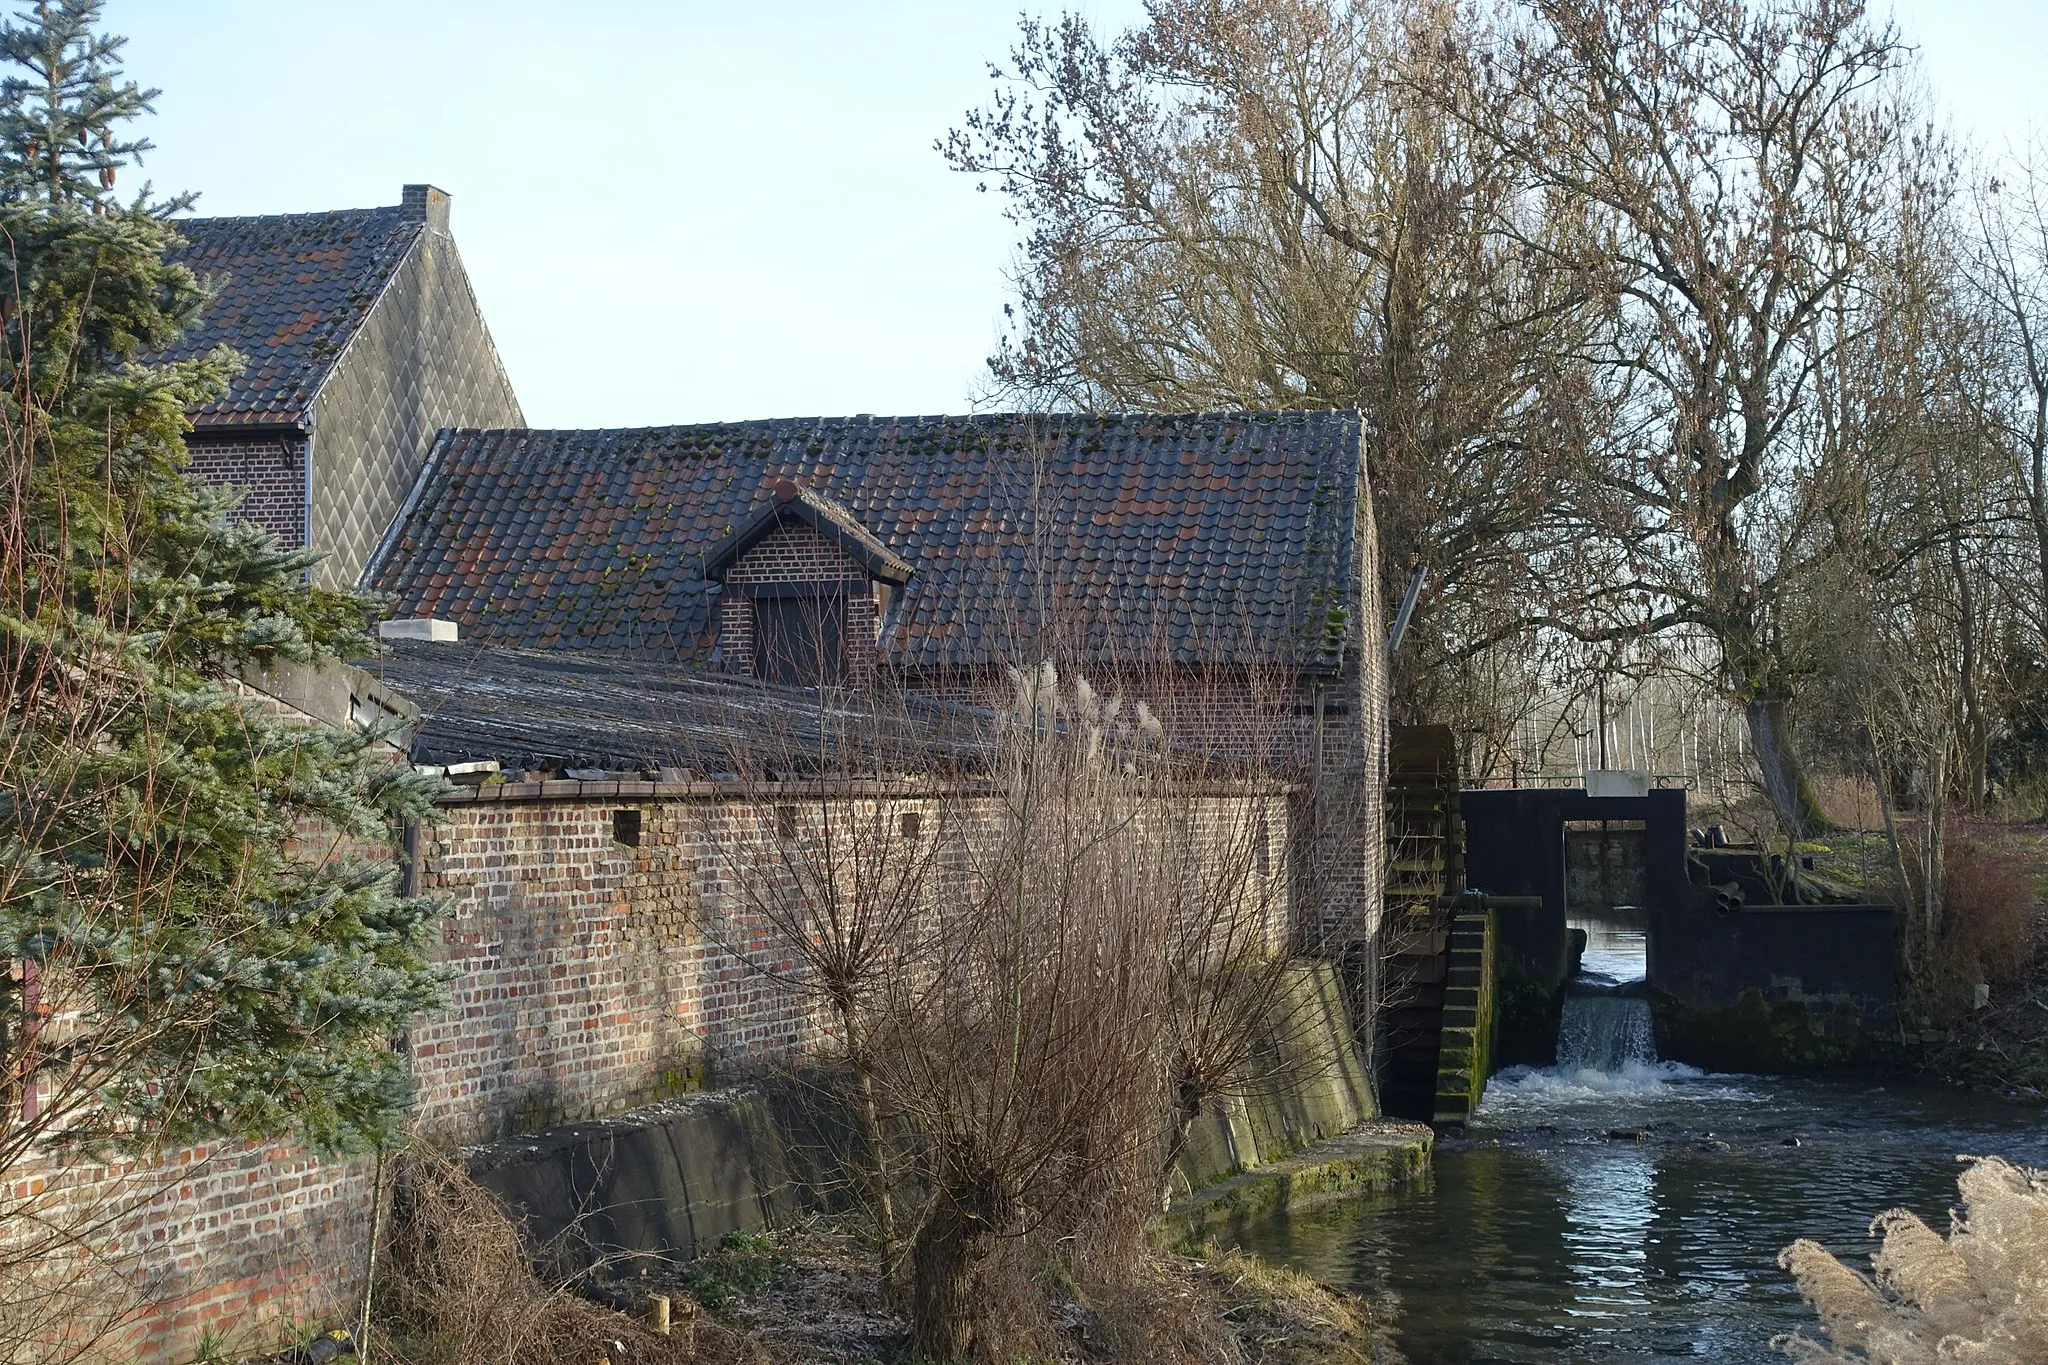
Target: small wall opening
[626,828]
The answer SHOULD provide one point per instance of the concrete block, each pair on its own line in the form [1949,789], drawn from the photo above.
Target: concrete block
[419,628]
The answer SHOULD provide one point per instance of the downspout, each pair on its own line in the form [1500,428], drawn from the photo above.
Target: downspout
[306,496]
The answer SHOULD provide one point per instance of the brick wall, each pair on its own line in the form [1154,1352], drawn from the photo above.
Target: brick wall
[585,981]
[590,976]
[1330,730]
[269,472]
[227,1238]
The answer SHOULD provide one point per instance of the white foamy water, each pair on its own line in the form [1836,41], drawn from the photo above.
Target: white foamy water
[1605,1033]
[1607,1071]
[1585,1096]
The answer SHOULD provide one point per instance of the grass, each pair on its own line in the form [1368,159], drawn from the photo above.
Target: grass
[744,1264]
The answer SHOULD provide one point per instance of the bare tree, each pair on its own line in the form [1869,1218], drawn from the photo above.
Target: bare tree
[1744,163]
[2008,269]
[1284,203]
[843,879]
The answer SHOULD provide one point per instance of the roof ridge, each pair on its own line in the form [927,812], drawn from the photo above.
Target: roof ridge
[869,420]
[395,210]
[1164,534]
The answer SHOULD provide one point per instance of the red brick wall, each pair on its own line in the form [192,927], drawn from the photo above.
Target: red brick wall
[269,472]
[227,1238]
[586,983]
[1336,820]
[590,976]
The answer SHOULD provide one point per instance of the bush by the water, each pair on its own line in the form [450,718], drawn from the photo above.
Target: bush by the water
[1988,916]
[1980,1294]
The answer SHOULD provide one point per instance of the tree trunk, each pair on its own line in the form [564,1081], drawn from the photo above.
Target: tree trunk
[943,1293]
[881,1199]
[1976,753]
[880,1196]
[1785,781]
[946,1293]
[1186,1111]
[1891,836]
[1933,846]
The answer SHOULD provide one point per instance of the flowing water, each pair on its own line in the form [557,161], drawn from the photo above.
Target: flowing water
[1619,1208]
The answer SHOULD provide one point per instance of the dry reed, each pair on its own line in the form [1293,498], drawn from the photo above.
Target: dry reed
[1980,1294]
[462,1289]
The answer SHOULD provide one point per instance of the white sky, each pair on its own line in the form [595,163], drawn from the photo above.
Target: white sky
[695,210]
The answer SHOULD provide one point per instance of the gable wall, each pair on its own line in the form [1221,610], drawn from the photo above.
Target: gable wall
[423,360]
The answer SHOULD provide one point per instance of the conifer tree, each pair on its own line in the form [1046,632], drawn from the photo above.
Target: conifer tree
[203,925]
[62,117]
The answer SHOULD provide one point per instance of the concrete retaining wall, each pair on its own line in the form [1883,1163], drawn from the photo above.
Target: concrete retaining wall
[668,1180]
[1775,987]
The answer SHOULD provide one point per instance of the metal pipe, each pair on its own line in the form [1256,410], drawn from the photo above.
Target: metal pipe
[1407,612]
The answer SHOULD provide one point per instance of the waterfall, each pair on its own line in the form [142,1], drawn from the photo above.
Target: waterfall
[1605,1033]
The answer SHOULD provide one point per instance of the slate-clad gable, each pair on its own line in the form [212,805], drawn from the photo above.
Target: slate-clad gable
[293,288]
[1198,536]
[363,339]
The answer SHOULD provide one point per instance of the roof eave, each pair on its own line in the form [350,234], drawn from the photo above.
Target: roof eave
[265,423]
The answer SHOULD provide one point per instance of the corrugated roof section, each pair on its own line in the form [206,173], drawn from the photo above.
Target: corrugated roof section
[551,709]
[1199,538]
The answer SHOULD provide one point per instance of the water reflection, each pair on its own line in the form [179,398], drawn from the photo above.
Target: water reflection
[1538,1240]
[1609,1206]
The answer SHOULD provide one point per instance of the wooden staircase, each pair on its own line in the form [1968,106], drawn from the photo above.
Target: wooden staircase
[1425,870]
[1464,1043]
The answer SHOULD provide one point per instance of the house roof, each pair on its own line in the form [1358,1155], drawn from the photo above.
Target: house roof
[561,710]
[293,288]
[1194,537]
[789,503]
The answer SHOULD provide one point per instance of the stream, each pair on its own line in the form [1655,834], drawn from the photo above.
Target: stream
[1619,1208]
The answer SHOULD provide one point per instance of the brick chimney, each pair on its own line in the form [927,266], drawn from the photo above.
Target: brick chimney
[426,204]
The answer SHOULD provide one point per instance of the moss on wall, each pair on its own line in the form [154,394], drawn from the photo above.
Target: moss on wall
[1783,1036]
[1312,1087]
[1466,1046]
[1361,1162]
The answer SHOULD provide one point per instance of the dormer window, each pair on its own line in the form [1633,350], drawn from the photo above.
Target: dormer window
[807,591]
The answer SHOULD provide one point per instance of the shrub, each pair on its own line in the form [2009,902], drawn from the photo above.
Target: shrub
[1980,1294]
[462,1290]
[1987,931]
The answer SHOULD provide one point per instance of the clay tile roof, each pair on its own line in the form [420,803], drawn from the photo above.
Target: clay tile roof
[1194,537]
[292,290]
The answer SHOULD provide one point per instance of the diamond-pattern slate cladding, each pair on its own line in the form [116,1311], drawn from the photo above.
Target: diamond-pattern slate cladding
[421,360]
[292,289]
[1193,537]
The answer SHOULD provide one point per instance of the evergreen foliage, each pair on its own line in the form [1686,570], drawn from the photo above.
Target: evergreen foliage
[61,121]
[207,931]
